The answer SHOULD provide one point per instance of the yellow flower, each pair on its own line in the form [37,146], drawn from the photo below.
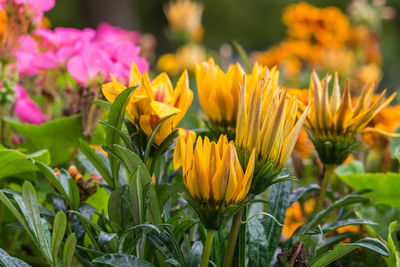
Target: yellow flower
[219,93]
[333,121]
[153,101]
[186,57]
[213,176]
[267,121]
[185,15]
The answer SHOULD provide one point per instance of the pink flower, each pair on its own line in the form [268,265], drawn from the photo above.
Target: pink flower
[90,66]
[27,110]
[109,33]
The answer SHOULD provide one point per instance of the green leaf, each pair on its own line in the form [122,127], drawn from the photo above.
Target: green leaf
[394,259]
[314,220]
[97,162]
[116,118]
[59,137]
[59,226]
[339,251]
[69,250]
[9,261]
[132,162]
[384,186]
[109,240]
[153,134]
[298,193]
[120,219]
[383,215]
[73,194]
[31,211]
[137,198]
[122,260]
[194,258]
[13,162]
[257,244]
[124,136]
[350,168]
[243,56]
[279,202]
[48,172]
[16,214]
[332,227]
[102,103]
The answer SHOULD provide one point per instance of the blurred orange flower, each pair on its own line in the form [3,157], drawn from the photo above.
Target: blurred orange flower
[295,217]
[327,26]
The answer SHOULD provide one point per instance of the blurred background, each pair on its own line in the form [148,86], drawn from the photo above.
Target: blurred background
[255,24]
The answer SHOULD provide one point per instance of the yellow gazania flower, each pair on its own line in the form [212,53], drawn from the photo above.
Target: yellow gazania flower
[153,101]
[333,121]
[219,92]
[186,57]
[267,121]
[185,15]
[213,176]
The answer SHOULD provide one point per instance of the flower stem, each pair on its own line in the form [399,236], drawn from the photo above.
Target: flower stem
[233,235]
[207,248]
[329,169]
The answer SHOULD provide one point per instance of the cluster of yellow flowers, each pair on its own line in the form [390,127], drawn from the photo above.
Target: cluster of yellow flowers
[323,38]
[256,123]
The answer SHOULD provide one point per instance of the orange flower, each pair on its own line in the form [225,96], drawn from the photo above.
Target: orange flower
[295,217]
[327,26]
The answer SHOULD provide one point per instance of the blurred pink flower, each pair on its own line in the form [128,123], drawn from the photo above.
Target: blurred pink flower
[109,33]
[90,66]
[27,110]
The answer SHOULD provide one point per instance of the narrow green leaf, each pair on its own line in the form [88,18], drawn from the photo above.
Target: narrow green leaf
[32,212]
[394,259]
[153,134]
[9,261]
[132,162]
[116,118]
[59,226]
[346,200]
[97,162]
[122,260]
[102,103]
[69,250]
[137,199]
[332,227]
[341,250]
[257,244]
[279,202]
[194,258]
[243,56]
[73,194]
[124,136]
[46,170]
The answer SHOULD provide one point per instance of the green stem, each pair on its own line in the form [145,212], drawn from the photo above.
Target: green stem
[329,170]
[207,248]
[233,235]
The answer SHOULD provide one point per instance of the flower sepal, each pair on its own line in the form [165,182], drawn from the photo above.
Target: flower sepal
[214,215]
[335,150]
